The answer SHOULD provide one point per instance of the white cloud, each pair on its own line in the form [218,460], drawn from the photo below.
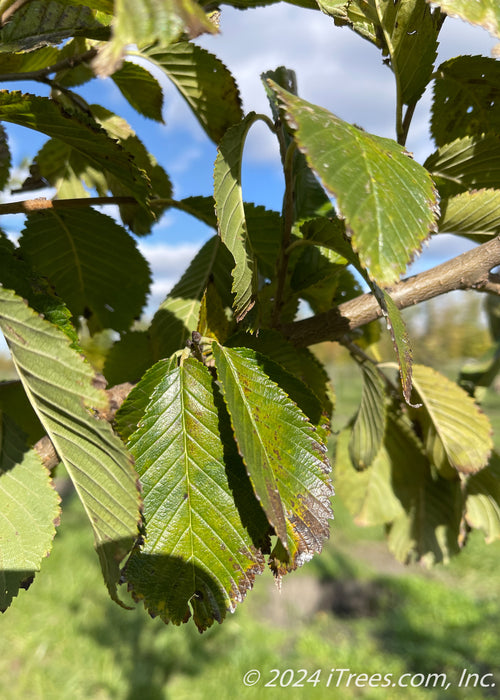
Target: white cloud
[167,263]
[335,67]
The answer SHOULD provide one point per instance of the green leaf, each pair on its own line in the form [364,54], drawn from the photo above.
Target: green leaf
[368,494]
[202,208]
[316,264]
[29,61]
[310,199]
[400,339]
[231,214]
[5,160]
[429,528]
[297,390]
[178,315]
[197,552]
[102,6]
[387,199]
[485,13]
[213,321]
[246,4]
[482,507]
[38,23]
[17,275]
[468,163]
[129,358]
[330,233]
[410,30]
[472,214]
[319,272]
[15,405]
[284,457]
[148,22]
[131,412]
[29,512]
[264,227]
[62,389]
[477,375]
[428,532]
[369,424]
[456,434]
[85,137]
[69,171]
[138,218]
[466,98]
[92,262]
[299,362]
[205,83]
[139,87]
[71,76]
[359,15]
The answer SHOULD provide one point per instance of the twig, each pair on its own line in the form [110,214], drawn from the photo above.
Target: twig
[41,203]
[16,5]
[470,270]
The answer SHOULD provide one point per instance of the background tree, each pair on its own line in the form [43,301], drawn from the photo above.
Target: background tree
[215,464]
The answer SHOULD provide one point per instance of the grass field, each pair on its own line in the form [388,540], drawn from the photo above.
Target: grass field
[353,608]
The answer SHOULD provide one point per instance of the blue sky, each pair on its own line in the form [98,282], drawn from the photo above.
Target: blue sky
[335,68]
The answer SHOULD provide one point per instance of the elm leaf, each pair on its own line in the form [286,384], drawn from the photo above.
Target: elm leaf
[475,215]
[428,528]
[62,245]
[284,456]
[369,424]
[231,214]
[485,13]
[410,29]
[146,22]
[38,23]
[197,554]
[388,200]
[368,494]
[205,83]
[29,512]
[471,162]
[83,135]
[141,89]
[482,507]
[63,390]
[466,98]
[456,434]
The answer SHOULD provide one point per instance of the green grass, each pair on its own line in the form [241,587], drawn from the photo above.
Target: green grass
[65,639]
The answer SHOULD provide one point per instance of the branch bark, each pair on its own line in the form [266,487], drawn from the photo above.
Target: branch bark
[40,203]
[470,270]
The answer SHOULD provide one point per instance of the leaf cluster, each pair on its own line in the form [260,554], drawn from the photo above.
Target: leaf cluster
[216,463]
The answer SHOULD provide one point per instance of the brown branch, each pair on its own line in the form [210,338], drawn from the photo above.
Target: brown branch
[29,205]
[470,270]
[116,396]
[16,5]
[40,203]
